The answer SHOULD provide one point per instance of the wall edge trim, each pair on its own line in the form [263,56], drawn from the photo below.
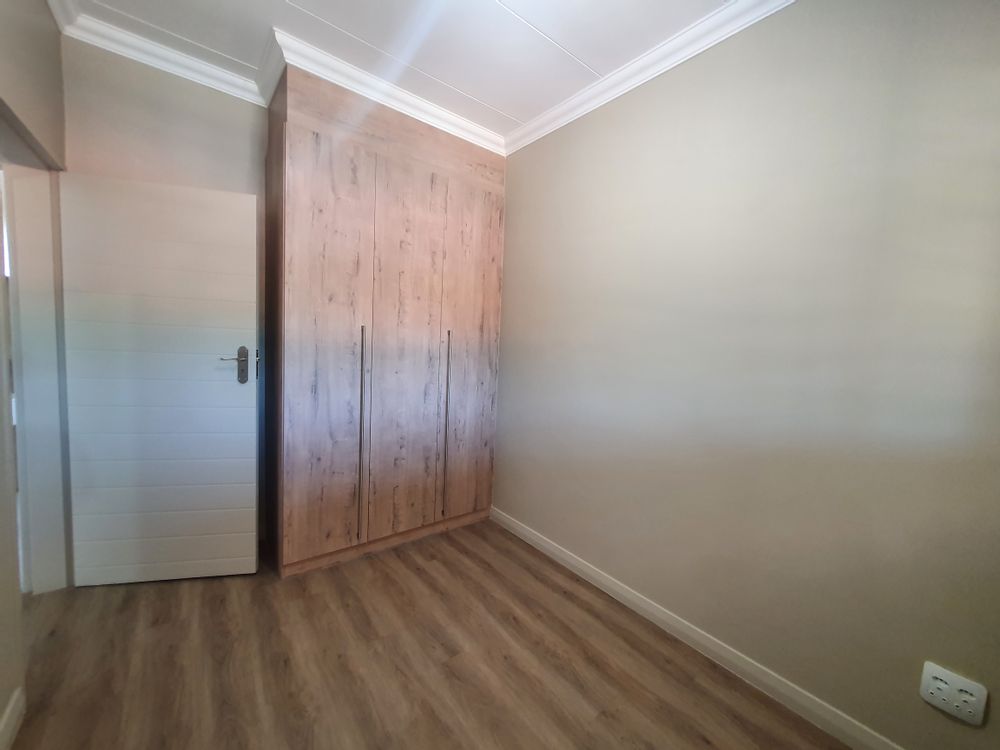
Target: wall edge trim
[817,711]
[111,38]
[730,19]
[64,12]
[13,715]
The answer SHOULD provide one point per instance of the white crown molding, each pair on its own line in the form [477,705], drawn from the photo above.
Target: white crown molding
[728,20]
[827,717]
[319,63]
[284,48]
[64,11]
[271,66]
[113,39]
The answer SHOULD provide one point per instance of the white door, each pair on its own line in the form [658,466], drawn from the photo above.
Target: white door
[160,284]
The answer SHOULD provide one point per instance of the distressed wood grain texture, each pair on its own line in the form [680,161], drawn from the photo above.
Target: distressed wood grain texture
[325,107]
[471,323]
[328,257]
[410,225]
[430,190]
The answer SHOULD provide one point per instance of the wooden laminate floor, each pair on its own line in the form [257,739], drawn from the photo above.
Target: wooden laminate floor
[470,639]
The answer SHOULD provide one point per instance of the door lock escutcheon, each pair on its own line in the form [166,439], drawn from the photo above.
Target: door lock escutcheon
[242,360]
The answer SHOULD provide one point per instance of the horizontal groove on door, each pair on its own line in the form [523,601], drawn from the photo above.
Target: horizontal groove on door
[195,460]
[164,549]
[164,497]
[168,447]
[156,393]
[147,365]
[163,472]
[163,310]
[139,337]
[157,419]
[149,268]
[147,323]
[173,256]
[107,574]
[147,525]
[156,512]
[82,277]
[159,434]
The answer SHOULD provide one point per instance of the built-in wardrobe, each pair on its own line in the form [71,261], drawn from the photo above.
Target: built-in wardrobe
[384,242]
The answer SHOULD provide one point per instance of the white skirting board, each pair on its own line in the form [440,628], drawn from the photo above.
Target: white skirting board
[11,720]
[807,705]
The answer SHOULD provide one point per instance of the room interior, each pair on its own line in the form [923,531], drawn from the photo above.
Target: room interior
[500,374]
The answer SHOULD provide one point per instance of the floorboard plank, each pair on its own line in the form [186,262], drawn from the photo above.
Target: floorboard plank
[467,639]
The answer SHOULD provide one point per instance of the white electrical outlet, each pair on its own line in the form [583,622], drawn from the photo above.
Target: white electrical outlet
[953,694]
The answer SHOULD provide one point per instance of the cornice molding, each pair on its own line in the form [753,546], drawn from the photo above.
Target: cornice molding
[113,39]
[64,11]
[728,20]
[283,48]
[272,65]
[319,63]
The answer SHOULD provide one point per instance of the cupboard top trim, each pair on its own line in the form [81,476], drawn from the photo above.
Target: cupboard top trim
[308,100]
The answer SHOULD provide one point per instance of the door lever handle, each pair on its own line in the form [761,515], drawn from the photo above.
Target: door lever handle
[241,359]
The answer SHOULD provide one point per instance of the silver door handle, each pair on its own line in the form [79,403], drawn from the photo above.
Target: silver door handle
[241,359]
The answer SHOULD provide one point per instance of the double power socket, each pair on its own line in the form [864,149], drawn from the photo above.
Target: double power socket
[953,694]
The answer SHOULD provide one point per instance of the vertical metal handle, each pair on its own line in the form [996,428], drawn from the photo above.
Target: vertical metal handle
[447,422]
[361,431]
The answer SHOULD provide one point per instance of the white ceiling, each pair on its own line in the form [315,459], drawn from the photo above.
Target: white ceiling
[495,68]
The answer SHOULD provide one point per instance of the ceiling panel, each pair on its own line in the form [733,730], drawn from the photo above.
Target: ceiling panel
[475,46]
[606,35]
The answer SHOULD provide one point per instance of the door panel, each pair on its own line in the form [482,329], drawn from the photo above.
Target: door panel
[406,391]
[159,283]
[471,323]
[328,268]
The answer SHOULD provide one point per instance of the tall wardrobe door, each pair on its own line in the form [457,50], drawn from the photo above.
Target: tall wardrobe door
[471,340]
[328,277]
[409,249]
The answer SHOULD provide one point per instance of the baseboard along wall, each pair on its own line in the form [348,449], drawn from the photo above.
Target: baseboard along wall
[828,718]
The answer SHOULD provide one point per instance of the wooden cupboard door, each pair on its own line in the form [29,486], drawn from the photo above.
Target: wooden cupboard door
[410,220]
[328,276]
[471,340]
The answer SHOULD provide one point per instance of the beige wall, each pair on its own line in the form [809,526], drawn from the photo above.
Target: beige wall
[128,120]
[30,72]
[750,362]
